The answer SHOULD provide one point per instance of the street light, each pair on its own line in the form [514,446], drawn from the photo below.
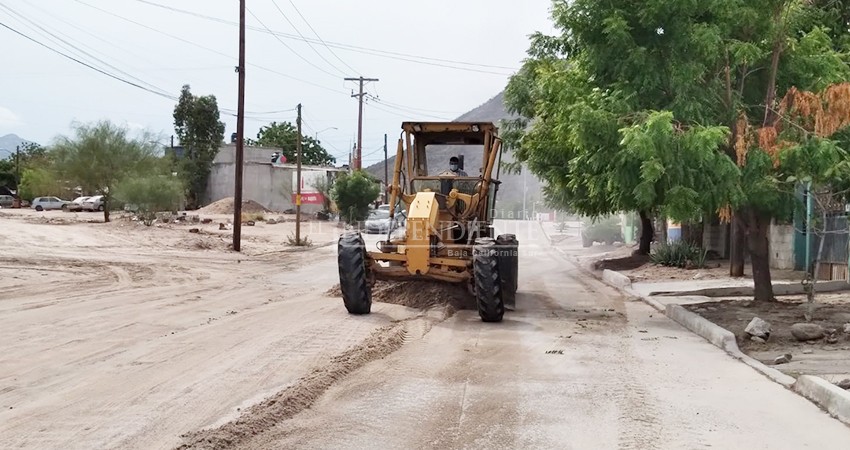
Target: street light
[316,135]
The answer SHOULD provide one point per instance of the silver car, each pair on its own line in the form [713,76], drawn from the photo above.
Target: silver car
[94,203]
[379,221]
[46,203]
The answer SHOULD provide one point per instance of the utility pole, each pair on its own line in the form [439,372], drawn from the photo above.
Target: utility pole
[240,135]
[358,154]
[18,169]
[386,167]
[298,180]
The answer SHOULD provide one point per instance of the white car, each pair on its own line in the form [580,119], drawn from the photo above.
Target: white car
[94,203]
[75,204]
[46,203]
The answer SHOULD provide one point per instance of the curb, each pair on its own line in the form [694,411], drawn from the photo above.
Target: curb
[833,399]
[822,393]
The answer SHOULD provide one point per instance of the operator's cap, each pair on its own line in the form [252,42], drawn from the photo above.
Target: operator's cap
[453,159]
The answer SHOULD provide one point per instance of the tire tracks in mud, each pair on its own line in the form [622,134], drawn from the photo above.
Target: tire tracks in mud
[265,416]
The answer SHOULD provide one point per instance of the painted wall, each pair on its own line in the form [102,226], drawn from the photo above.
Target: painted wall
[269,185]
[781,239]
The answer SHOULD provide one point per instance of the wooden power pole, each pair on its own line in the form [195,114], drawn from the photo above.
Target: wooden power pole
[240,135]
[358,154]
[386,169]
[298,180]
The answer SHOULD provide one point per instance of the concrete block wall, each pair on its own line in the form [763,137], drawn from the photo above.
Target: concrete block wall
[263,183]
[781,239]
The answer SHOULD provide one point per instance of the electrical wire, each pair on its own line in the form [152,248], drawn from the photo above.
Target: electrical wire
[211,50]
[170,97]
[320,38]
[438,62]
[403,113]
[287,45]
[155,91]
[305,39]
[72,47]
[411,108]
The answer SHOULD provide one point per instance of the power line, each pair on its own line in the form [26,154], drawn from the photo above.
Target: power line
[411,108]
[287,45]
[406,113]
[438,62]
[73,47]
[305,39]
[157,91]
[320,38]
[87,65]
[211,50]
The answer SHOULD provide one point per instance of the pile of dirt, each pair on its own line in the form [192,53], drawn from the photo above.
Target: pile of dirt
[225,206]
[423,294]
[626,263]
[417,294]
[334,291]
[300,396]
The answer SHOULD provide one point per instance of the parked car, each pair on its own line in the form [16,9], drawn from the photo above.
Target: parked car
[6,201]
[46,203]
[379,221]
[75,204]
[94,203]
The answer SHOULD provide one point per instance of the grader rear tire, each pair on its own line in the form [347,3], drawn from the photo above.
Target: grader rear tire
[488,286]
[353,281]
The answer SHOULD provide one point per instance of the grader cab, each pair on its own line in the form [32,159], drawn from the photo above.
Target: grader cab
[447,235]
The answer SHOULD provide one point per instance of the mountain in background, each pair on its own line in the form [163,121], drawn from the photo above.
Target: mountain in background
[10,142]
[511,190]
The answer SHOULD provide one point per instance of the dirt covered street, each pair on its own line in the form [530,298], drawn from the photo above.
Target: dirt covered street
[124,336]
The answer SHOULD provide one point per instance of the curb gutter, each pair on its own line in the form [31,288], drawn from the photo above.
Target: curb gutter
[831,398]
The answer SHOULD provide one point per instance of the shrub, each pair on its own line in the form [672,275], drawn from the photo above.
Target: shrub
[679,254]
[254,217]
[353,194]
[149,195]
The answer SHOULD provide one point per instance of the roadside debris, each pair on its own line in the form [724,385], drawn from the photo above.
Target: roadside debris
[758,328]
[194,230]
[844,384]
[807,331]
[783,359]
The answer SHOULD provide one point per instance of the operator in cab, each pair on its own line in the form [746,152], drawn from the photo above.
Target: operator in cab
[454,167]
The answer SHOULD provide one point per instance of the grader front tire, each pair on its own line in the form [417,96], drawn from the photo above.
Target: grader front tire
[488,289]
[353,277]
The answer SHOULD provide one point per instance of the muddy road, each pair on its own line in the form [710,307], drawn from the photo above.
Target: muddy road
[119,339]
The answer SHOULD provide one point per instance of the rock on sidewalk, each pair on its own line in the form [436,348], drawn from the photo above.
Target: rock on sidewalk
[784,359]
[807,331]
[758,328]
[844,384]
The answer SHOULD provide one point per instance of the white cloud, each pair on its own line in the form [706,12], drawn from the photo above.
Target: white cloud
[9,119]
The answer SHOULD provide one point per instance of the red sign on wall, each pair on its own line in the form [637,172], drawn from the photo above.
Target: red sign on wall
[310,198]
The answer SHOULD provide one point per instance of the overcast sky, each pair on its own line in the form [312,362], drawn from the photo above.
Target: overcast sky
[483,42]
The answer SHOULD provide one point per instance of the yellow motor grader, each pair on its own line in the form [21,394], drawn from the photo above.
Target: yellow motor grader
[446,230]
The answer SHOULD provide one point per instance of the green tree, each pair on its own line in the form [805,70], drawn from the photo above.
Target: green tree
[197,125]
[40,182]
[632,106]
[354,194]
[284,136]
[101,155]
[150,194]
